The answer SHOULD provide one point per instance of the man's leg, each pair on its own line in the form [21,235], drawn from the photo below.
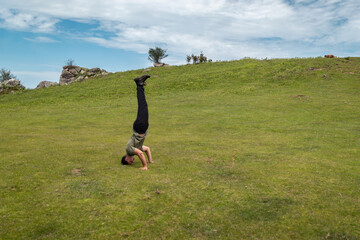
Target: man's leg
[141,123]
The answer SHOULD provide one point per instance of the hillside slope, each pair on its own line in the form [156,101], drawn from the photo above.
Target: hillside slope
[244,149]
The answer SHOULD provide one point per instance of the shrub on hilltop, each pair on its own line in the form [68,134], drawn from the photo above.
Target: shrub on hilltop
[6,75]
[197,59]
[157,54]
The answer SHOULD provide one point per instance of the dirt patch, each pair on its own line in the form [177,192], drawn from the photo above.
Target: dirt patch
[300,96]
[315,69]
[76,171]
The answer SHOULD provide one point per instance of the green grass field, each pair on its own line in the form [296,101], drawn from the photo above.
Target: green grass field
[249,149]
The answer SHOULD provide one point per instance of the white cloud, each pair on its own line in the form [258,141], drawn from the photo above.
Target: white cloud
[26,21]
[41,39]
[223,29]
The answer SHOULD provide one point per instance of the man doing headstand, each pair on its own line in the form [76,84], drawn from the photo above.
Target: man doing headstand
[135,145]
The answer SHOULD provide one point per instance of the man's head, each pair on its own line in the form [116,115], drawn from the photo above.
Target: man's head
[127,160]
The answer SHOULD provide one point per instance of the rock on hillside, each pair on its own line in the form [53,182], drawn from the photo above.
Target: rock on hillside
[46,84]
[10,85]
[72,74]
[160,64]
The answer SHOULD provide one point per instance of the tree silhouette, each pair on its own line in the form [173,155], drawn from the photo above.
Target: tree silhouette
[156,54]
[5,75]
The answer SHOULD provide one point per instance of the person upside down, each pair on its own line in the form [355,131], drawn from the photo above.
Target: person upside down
[135,145]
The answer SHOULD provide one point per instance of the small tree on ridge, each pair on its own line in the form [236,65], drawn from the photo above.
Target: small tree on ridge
[70,62]
[5,75]
[156,54]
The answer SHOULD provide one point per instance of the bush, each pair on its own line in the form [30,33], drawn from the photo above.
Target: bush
[197,59]
[156,54]
[188,58]
[70,62]
[202,58]
[5,75]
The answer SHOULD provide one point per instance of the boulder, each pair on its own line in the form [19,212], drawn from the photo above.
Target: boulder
[73,71]
[80,78]
[330,56]
[46,84]
[160,64]
[66,77]
[11,85]
[94,70]
[72,74]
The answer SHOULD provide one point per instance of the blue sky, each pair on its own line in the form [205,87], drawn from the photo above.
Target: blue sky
[38,37]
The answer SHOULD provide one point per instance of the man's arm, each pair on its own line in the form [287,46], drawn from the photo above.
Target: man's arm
[141,155]
[148,153]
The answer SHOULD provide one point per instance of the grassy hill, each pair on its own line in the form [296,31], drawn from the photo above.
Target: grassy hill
[244,149]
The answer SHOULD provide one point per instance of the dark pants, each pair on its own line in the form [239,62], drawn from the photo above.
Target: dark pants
[141,123]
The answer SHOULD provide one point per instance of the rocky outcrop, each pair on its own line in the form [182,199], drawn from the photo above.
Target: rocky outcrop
[330,56]
[160,64]
[10,85]
[72,74]
[46,84]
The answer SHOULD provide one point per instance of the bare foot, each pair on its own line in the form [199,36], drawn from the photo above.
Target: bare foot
[151,161]
[144,168]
